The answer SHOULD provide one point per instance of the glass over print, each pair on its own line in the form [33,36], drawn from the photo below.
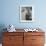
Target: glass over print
[26,13]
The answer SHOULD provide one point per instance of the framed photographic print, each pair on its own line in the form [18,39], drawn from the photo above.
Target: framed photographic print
[26,13]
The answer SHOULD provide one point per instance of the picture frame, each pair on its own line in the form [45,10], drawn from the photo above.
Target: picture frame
[26,13]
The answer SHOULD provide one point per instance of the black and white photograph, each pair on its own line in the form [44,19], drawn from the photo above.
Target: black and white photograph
[26,13]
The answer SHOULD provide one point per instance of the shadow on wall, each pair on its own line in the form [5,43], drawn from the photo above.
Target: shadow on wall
[2,26]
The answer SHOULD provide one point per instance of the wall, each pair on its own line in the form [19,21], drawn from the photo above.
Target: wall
[10,13]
